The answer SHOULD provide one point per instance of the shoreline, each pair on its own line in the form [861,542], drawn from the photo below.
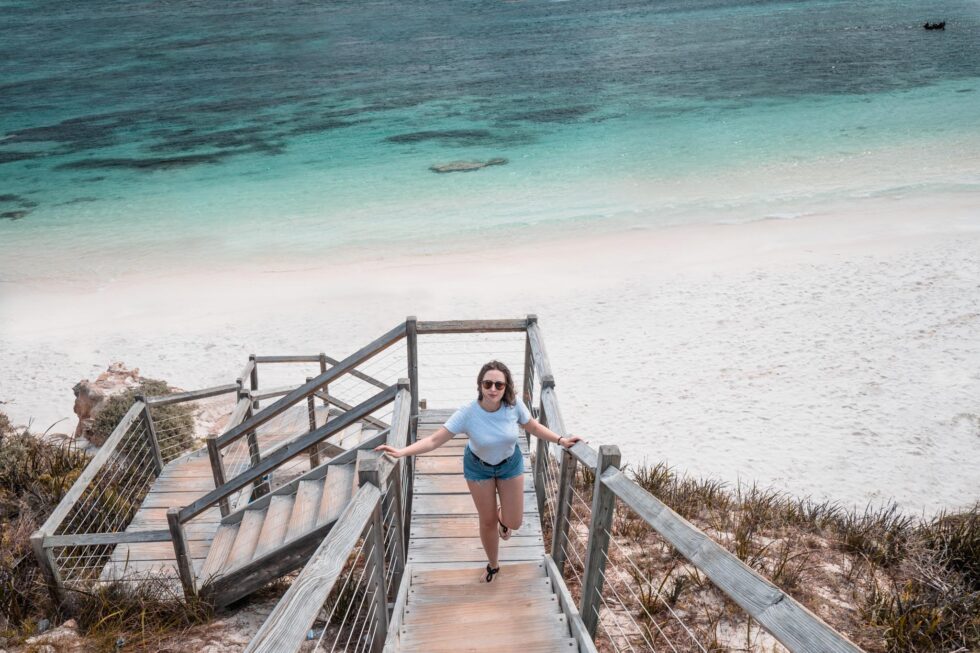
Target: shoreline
[744,338]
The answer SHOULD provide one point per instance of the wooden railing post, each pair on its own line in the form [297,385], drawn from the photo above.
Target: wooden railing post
[151,434]
[311,409]
[218,472]
[184,566]
[394,498]
[603,507]
[559,536]
[369,471]
[253,379]
[529,365]
[540,460]
[412,347]
[49,568]
[323,368]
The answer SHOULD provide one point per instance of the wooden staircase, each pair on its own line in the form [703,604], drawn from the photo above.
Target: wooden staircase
[275,534]
[450,610]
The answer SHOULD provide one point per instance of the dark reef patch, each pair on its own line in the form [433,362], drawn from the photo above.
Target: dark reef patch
[79,200]
[10,157]
[449,136]
[148,164]
[10,197]
[187,140]
[560,114]
[13,215]
[329,124]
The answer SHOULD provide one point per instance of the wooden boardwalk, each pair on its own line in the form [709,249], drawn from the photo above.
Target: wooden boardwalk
[444,523]
[185,480]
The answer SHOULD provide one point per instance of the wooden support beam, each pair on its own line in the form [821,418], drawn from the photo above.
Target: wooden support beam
[183,554]
[311,414]
[539,355]
[253,383]
[398,612]
[559,535]
[597,552]
[99,539]
[369,472]
[344,406]
[152,441]
[49,567]
[218,472]
[357,374]
[529,365]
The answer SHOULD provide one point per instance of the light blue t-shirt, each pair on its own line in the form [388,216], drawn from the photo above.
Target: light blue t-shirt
[492,435]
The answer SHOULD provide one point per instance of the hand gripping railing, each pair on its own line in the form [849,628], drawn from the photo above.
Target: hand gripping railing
[783,617]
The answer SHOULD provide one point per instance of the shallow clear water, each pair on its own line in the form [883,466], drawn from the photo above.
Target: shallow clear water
[151,134]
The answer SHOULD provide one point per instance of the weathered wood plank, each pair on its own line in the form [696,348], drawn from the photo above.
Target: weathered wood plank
[454,504]
[397,613]
[471,552]
[597,547]
[299,358]
[429,526]
[452,484]
[470,326]
[286,626]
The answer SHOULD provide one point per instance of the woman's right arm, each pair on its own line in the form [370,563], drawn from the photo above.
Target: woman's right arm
[434,441]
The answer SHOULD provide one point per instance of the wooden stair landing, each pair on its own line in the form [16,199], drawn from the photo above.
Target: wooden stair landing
[449,610]
[444,523]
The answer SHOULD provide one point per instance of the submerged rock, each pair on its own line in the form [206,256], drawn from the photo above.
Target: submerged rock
[465,166]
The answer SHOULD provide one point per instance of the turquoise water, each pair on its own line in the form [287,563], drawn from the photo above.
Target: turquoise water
[152,134]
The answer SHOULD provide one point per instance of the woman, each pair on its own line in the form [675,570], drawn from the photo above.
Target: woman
[492,461]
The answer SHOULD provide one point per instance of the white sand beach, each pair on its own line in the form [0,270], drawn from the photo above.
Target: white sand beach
[835,355]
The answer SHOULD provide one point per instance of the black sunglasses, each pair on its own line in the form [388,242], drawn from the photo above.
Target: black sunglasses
[499,385]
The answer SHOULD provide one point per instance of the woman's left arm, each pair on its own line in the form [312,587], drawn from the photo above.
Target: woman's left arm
[539,430]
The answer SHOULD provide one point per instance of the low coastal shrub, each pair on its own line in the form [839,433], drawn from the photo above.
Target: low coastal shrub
[35,473]
[174,422]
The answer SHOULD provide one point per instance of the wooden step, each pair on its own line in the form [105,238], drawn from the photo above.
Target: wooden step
[506,636]
[305,509]
[337,491]
[248,536]
[224,538]
[548,645]
[275,523]
[480,591]
[473,611]
[463,575]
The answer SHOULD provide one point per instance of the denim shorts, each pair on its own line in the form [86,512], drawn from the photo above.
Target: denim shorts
[475,469]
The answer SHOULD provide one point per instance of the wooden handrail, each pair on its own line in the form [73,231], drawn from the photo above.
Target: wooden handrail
[542,365]
[307,389]
[301,358]
[192,395]
[286,626]
[287,451]
[92,539]
[91,470]
[471,326]
[788,621]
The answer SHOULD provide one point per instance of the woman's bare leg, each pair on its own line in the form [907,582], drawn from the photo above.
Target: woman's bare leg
[511,501]
[484,495]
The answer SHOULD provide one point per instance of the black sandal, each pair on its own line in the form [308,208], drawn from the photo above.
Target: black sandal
[491,571]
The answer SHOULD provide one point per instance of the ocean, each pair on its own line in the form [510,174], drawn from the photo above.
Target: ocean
[144,136]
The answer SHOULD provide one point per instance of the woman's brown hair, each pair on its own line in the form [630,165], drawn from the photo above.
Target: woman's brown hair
[509,398]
